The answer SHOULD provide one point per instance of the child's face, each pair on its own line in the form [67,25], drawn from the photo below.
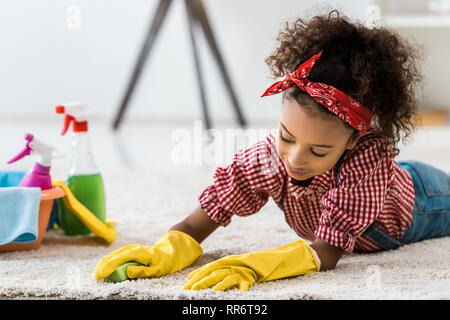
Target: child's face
[314,144]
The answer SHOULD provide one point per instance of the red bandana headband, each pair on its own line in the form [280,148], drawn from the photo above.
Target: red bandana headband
[344,106]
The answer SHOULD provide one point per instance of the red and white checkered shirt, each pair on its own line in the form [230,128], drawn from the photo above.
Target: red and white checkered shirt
[372,188]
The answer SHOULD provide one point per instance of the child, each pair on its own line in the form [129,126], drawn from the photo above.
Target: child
[347,96]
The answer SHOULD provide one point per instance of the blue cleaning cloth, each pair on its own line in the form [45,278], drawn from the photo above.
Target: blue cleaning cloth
[19,209]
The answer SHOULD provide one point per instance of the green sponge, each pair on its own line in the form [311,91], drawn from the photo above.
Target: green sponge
[120,274]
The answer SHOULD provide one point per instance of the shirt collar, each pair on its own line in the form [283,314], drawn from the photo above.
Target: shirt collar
[299,189]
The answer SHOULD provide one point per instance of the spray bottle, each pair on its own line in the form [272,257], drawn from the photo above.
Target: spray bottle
[84,179]
[39,176]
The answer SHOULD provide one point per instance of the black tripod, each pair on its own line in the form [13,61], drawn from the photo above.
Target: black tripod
[196,15]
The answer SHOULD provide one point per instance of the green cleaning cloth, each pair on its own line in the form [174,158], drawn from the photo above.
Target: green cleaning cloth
[120,274]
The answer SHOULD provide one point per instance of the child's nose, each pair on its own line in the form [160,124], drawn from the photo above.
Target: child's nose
[298,158]
[297,162]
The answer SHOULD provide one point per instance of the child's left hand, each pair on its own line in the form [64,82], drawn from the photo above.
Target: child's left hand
[221,276]
[243,270]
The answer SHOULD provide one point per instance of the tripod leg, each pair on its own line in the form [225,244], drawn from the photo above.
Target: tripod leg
[200,15]
[192,26]
[155,26]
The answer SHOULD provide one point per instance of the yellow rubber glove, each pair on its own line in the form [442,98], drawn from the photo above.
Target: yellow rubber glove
[243,270]
[94,224]
[174,251]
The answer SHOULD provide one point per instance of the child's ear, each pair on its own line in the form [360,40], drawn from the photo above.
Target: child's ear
[351,143]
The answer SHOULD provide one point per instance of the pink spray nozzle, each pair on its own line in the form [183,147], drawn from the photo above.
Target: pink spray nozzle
[29,137]
[26,151]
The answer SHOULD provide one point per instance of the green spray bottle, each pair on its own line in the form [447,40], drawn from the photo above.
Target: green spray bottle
[84,179]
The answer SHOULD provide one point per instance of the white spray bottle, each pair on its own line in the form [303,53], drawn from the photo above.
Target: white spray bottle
[84,179]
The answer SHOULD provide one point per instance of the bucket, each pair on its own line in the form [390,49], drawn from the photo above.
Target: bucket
[45,208]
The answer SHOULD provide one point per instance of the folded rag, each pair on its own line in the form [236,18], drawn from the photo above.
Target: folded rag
[19,209]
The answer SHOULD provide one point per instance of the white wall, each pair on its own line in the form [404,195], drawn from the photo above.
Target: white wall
[43,63]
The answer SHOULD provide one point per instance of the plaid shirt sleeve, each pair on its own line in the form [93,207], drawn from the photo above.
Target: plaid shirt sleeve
[243,187]
[352,207]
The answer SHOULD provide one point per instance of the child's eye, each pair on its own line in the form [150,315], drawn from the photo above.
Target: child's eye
[288,141]
[318,155]
[284,139]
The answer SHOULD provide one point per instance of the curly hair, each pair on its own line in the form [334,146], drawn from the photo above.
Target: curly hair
[377,67]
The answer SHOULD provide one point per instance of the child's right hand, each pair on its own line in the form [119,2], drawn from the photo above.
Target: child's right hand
[174,251]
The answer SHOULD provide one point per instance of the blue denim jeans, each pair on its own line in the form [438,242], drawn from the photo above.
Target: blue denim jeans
[431,213]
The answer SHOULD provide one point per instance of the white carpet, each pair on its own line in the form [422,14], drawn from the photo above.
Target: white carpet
[146,205]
